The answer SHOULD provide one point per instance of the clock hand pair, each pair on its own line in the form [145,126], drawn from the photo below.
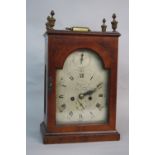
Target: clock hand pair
[90,92]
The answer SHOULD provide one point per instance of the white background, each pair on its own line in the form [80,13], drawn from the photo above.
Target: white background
[12,83]
[69,13]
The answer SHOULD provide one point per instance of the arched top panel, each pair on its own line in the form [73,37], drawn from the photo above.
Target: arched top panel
[83,58]
[99,52]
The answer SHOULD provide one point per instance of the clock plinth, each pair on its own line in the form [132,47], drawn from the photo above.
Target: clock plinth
[74,137]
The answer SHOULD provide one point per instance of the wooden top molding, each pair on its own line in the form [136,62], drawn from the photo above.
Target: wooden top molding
[92,33]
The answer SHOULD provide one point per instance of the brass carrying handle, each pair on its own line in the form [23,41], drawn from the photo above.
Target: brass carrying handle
[78,29]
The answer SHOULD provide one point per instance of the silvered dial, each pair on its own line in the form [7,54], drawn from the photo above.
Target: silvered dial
[81,89]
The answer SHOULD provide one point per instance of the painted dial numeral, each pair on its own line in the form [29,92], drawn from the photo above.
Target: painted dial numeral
[61,96]
[91,77]
[80,116]
[100,95]
[71,78]
[71,113]
[81,75]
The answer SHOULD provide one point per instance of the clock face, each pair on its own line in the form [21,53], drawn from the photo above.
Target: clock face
[82,89]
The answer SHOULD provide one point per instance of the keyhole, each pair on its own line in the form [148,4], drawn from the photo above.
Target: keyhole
[90,98]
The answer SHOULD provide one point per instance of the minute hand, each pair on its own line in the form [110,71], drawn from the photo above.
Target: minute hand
[89,92]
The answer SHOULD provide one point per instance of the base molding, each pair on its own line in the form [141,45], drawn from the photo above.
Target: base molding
[55,138]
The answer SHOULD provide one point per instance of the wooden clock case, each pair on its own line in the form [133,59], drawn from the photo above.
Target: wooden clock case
[59,44]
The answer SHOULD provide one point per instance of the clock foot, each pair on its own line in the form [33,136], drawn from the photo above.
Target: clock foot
[55,138]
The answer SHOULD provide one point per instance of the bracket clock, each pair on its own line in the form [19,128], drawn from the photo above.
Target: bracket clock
[80,84]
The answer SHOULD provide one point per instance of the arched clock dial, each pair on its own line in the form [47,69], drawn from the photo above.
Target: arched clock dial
[81,89]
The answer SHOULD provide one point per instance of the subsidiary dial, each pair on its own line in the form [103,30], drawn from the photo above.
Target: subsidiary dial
[81,59]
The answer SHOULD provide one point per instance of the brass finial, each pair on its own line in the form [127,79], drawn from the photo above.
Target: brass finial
[114,23]
[104,26]
[50,21]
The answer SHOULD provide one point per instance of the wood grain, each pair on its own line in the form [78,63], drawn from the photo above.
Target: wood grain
[59,44]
